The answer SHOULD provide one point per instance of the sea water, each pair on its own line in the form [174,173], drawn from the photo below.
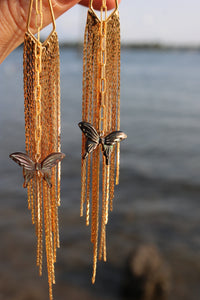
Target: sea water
[158,200]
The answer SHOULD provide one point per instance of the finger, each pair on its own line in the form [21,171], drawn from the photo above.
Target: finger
[13,16]
[18,11]
[97,3]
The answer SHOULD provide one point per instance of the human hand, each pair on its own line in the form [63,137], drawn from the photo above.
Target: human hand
[13,16]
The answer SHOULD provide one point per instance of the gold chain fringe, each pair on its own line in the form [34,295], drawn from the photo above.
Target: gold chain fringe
[101,107]
[42,130]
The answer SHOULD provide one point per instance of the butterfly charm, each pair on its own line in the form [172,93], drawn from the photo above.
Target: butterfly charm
[94,139]
[30,167]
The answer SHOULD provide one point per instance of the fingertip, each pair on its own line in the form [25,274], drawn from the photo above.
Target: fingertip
[97,3]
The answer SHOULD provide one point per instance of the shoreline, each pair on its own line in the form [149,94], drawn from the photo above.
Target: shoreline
[137,46]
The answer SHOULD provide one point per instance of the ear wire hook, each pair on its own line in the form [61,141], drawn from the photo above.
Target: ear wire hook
[92,9]
[30,12]
[29,15]
[52,15]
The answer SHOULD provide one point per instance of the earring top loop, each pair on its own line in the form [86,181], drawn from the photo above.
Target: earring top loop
[30,12]
[92,9]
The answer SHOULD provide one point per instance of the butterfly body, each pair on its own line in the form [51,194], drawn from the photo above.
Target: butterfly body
[38,167]
[94,139]
[30,168]
[101,140]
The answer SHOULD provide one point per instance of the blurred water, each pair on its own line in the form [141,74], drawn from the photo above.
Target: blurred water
[159,110]
[158,198]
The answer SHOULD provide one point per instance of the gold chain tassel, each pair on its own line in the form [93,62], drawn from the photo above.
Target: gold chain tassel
[100,120]
[41,162]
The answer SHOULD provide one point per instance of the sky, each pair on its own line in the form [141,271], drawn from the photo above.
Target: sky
[168,22]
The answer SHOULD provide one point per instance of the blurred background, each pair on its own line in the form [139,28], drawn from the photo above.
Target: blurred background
[154,230]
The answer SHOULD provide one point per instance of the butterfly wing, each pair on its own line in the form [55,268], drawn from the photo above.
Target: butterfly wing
[89,147]
[89,131]
[114,137]
[109,141]
[23,160]
[48,163]
[92,137]
[51,160]
[28,175]
[47,176]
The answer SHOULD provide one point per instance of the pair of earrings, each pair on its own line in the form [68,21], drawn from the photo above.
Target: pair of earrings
[100,127]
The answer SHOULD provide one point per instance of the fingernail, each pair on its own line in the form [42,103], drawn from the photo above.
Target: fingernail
[62,1]
[68,3]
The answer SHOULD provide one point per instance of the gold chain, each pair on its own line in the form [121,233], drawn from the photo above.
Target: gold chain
[103,32]
[38,17]
[38,68]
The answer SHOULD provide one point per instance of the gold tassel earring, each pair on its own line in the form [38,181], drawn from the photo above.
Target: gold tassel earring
[41,162]
[100,121]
